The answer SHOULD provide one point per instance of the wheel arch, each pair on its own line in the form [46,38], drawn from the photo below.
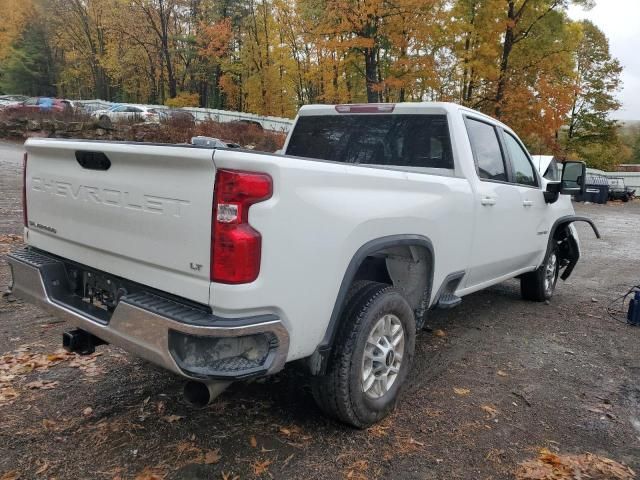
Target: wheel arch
[571,251]
[362,265]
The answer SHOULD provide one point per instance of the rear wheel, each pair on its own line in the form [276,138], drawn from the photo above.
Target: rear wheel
[372,356]
[540,284]
[104,122]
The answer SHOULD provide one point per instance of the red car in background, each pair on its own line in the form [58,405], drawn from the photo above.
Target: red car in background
[40,104]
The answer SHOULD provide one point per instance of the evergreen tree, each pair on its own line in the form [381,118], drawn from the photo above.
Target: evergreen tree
[29,68]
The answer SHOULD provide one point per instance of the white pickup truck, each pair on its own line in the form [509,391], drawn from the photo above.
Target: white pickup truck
[224,264]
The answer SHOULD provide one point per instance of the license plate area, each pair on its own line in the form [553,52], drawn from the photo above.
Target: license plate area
[101,291]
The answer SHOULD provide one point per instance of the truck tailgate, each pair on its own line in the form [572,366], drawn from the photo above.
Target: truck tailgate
[147,217]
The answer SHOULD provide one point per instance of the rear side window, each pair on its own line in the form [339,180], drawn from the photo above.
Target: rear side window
[522,168]
[487,151]
[397,140]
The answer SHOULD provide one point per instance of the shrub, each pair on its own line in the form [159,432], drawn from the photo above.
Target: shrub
[184,99]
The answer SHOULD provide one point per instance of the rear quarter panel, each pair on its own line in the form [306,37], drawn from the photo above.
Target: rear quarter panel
[321,213]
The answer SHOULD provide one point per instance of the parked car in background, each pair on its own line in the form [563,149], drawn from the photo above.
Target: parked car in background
[619,191]
[91,106]
[4,104]
[41,104]
[254,123]
[13,98]
[127,113]
[174,114]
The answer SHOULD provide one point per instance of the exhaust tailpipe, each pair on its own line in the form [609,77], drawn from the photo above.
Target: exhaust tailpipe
[201,394]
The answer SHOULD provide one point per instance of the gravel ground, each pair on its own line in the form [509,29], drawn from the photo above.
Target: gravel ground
[494,381]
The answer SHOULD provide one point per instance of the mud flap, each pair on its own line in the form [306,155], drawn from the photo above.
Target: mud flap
[569,251]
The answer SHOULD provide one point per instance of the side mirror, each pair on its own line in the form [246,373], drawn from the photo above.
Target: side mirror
[572,182]
[573,178]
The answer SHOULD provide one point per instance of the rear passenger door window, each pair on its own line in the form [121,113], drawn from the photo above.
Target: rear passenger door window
[486,150]
[523,171]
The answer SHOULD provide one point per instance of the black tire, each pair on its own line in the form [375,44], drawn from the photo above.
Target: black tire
[533,286]
[340,392]
[104,122]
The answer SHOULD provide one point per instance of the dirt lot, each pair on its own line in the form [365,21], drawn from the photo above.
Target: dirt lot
[495,380]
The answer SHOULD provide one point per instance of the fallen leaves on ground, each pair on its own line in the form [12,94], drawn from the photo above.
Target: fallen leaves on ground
[172,418]
[11,475]
[490,409]
[190,453]
[295,435]
[42,385]
[49,424]
[87,363]
[8,243]
[211,457]
[104,431]
[357,470]
[7,394]
[463,392]
[408,444]
[151,474]
[378,430]
[260,467]
[22,361]
[550,466]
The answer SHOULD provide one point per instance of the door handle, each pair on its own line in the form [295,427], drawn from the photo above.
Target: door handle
[488,201]
[527,203]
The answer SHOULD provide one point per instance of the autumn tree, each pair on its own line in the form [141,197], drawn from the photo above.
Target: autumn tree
[80,34]
[15,14]
[520,20]
[596,80]
[523,61]
[371,29]
[159,16]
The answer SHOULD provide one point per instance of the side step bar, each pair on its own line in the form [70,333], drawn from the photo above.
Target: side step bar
[448,300]
[446,297]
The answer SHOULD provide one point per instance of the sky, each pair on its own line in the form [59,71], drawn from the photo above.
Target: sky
[620,21]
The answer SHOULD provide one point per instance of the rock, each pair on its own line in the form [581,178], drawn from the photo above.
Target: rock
[74,127]
[48,125]
[33,125]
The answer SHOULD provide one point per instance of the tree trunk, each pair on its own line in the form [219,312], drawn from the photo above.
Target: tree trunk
[371,73]
[504,61]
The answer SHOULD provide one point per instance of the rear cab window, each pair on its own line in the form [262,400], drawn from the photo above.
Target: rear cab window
[412,141]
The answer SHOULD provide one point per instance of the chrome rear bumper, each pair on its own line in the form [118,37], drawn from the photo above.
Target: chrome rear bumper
[151,326]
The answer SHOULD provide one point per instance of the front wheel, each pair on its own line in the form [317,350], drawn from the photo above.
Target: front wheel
[371,358]
[540,284]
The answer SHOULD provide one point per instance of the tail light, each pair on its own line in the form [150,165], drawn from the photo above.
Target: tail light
[24,191]
[236,247]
